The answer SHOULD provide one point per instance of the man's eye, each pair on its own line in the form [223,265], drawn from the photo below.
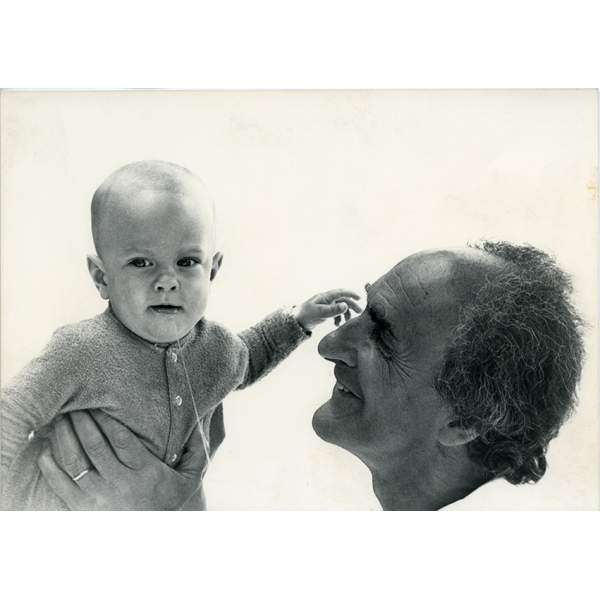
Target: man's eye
[188,261]
[140,262]
[379,335]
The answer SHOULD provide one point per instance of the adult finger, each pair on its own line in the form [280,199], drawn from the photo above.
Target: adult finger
[66,449]
[95,444]
[194,459]
[59,481]
[89,483]
[126,445]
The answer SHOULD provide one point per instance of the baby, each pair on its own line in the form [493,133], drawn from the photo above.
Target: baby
[150,359]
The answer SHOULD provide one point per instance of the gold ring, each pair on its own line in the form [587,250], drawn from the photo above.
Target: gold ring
[78,477]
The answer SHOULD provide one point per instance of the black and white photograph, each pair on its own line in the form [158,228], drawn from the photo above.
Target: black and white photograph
[299,300]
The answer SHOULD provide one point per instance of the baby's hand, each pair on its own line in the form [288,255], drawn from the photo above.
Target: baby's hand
[321,307]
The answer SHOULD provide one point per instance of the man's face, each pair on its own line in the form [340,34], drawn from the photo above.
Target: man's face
[158,260]
[383,406]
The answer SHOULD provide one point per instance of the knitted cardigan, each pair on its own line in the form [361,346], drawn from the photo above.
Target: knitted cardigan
[100,364]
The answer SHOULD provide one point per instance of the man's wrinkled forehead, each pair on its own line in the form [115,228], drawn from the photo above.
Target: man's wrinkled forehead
[417,280]
[430,281]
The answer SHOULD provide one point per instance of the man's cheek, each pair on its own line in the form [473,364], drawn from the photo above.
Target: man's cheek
[387,380]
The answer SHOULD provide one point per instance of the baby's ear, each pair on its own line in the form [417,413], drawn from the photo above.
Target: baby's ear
[217,261]
[96,269]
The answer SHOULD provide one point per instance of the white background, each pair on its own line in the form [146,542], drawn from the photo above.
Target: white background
[265,44]
[314,190]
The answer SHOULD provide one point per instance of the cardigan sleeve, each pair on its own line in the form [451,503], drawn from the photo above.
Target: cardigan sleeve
[29,402]
[269,342]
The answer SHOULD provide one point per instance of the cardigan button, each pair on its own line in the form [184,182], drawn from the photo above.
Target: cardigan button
[173,457]
[174,357]
[178,401]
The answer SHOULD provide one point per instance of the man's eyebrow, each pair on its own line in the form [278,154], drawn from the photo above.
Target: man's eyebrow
[374,313]
[377,318]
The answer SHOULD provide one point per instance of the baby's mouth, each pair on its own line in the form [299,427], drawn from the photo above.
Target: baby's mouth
[166,309]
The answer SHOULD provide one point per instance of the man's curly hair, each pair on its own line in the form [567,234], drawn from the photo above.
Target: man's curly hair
[512,366]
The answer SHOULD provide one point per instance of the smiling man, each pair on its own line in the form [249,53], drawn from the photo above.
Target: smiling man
[460,371]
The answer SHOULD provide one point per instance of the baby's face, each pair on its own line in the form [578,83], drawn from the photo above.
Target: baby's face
[158,258]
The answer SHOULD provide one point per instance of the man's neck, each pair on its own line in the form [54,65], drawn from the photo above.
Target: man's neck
[430,485]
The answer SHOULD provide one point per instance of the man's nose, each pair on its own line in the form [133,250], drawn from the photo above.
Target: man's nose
[166,282]
[340,345]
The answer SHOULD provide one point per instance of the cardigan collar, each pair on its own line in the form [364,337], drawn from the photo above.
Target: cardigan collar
[181,343]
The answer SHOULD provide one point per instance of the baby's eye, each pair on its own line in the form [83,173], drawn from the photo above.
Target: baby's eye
[188,261]
[140,262]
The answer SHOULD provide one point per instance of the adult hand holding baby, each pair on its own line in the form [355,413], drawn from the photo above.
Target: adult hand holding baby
[124,475]
[97,463]
[155,259]
[332,304]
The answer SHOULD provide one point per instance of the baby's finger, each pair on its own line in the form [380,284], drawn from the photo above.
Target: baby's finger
[355,306]
[321,312]
[335,309]
[337,294]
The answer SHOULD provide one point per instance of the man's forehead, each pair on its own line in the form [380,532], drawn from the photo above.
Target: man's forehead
[429,279]
[415,278]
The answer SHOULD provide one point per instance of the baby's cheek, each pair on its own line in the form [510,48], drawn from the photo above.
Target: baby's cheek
[199,300]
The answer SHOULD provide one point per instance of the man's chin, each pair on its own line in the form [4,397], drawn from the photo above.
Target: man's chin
[332,424]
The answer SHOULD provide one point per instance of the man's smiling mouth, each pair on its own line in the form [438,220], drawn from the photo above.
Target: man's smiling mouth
[342,388]
[345,388]
[343,391]
[344,402]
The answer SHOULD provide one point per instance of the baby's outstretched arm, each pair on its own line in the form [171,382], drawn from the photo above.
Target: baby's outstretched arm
[326,305]
[276,336]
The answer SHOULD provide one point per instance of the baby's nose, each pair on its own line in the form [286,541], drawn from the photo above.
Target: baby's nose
[166,284]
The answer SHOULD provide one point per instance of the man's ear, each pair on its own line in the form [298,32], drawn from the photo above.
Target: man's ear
[452,434]
[96,269]
[217,261]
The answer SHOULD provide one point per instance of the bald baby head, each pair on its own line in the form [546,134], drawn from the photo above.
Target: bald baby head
[142,187]
[154,232]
